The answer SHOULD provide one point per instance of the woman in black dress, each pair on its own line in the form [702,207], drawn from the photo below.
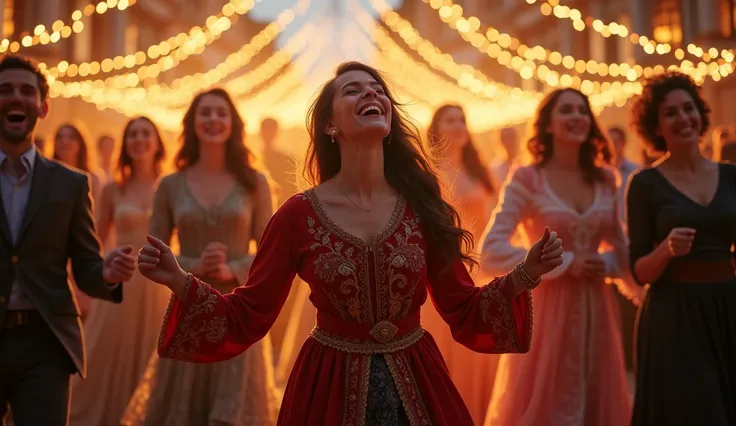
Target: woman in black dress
[682,223]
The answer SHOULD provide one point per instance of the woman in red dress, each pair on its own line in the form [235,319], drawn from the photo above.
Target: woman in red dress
[371,240]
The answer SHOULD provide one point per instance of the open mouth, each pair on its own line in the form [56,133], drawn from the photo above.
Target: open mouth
[372,109]
[16,117]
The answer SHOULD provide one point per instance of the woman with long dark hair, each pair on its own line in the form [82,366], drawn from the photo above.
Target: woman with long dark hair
[217,203]
[372,239]
[575,372]
[471,191]
[468,180]
[121,337]
[681,216]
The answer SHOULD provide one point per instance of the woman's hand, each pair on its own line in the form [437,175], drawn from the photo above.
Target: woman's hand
[680,241]
[544,256]
[212,258]
[589,266]
[157,263]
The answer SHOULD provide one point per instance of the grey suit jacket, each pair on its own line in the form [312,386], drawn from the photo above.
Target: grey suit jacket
[58,225]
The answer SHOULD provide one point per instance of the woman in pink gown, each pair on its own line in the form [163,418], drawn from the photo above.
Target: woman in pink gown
[574,374]
[472,193]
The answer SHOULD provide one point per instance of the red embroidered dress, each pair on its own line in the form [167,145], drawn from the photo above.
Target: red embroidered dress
[368,330]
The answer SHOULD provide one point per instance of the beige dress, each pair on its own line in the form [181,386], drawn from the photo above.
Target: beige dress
[240,391]
[119,337]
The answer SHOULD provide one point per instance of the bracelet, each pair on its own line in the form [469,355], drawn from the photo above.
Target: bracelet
[524,278]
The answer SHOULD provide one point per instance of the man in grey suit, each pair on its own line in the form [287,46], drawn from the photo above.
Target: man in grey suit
[45,220]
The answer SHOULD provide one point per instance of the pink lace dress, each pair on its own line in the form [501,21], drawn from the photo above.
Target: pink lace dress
[574,374]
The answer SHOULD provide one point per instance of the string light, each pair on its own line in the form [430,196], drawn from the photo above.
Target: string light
[181,89]
[465,75]
[500,46]
[167,52]
[60,29]
[552,7]
[601,96]
[155,101]
[417,78]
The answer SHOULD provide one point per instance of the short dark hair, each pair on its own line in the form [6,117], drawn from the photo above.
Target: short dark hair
[645,111]
[11,62]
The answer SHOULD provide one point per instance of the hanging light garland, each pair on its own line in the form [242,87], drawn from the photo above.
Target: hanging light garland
[60,29]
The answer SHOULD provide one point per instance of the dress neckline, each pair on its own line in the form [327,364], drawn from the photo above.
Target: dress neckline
[388,230]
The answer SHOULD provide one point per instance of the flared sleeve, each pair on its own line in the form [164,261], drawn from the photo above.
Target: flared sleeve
[499,254]
[207,326]
[487,319]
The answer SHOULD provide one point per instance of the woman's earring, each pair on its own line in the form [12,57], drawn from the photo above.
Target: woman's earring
[332,135]
[389,140]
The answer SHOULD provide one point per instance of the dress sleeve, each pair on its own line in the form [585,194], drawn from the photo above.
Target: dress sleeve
[206,326]
[485,319]
[161,224]
[640,220]
[499,254]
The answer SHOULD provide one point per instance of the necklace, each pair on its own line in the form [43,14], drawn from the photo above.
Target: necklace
[351,200]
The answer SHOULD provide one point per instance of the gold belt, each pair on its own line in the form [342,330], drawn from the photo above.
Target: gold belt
[366,347]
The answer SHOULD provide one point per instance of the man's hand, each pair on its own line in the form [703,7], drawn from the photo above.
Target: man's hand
[118,265]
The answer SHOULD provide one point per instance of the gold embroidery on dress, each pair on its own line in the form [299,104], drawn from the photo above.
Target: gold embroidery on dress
[356,346]
[408,389]
[357,379]
[501,320]
[337,263]
[353,300]
[188,334]
[403,254]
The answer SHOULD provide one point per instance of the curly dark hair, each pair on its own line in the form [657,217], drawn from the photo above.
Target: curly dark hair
[239,159]
[13,62]
[407,168]
[471,159]
[645,110]
[595,152]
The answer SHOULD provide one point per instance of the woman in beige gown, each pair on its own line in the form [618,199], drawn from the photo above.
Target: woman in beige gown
[121,337]
[217,203]
[472,193]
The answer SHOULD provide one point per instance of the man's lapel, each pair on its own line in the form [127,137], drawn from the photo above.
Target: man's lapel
[39,188]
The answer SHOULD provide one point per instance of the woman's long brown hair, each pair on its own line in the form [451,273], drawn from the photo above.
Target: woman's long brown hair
[594,152]
[471,160]
[406,167]
[125,162]
[83,154]
[238,158]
